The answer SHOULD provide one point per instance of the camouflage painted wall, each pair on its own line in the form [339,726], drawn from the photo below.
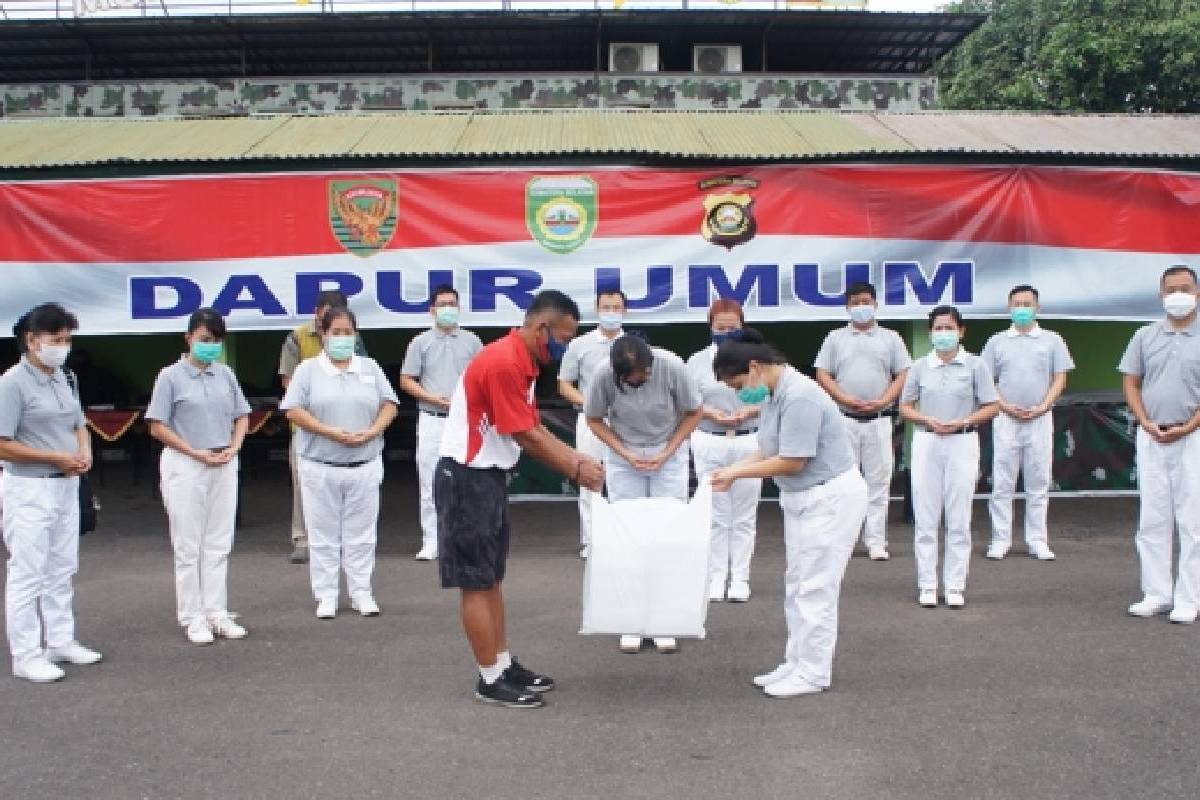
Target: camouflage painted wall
[683,92]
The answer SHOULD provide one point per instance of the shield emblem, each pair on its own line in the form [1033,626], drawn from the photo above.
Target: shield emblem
[561,211]
[362,214]
[728,219]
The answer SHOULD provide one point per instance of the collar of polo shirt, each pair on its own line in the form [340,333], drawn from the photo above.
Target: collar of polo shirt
[38,375]
[329,369]
[193,371]
[1190,330]
[859,332]
[1013,333]
[959,358]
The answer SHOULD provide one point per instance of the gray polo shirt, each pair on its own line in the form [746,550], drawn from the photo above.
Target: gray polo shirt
[1168,362]
[200,405]
[713,392]
[584,354]
[1024,364]
[348,399]
[39,411]
[648,415]
[949,391]
[863,363]
[436,358]
[800,420]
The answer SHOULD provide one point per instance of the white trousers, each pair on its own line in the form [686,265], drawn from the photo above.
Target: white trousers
[341,507]
[871,443]
[41,532]
[1169,480]
[587,443]
[626,483]
[735,512]
[201,503]
[944,472]
[299,532]
[429,445]
[1024,446]
[820,526]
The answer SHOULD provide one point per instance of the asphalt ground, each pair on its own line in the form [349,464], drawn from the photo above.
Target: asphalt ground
[1041,688]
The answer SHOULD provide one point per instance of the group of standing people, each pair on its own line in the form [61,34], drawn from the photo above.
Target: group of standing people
[736,408]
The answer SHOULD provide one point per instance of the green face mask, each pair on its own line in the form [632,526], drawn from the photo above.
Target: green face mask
[206,352]
[339,348]
[753,395]
[1022,315]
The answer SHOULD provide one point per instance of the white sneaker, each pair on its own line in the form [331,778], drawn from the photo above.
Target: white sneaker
[1041,551]
[226,628]
[955,600]
[199,632]
[666,644]
[774,676]
[1183,615]
[631,644]
[878,552]
[327,608]
[739,591]
[585,550]
[1148,608]
[73,653]
[792,686]
[716,590]
[996,552]
[927,598]
[365,604]
[37,669]
[427,553]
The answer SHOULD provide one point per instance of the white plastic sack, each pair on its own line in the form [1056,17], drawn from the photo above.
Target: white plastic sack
[647,573]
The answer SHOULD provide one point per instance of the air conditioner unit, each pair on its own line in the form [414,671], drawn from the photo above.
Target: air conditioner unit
[628,57]
[712,59]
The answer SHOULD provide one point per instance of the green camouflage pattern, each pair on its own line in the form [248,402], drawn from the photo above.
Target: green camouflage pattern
[677,92]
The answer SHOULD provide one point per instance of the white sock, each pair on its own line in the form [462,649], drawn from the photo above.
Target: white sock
[491,674]
[504,660]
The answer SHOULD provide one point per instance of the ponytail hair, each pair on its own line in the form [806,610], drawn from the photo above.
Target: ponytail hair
[743,346]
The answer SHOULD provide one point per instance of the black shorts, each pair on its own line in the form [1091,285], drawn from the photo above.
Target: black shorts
[472,524]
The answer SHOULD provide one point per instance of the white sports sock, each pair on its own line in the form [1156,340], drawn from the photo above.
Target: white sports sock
[491,674]
[504,660]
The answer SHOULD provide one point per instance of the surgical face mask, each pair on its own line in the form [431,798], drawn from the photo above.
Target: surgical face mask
[862,314]
[206,352]
[720,337]
[555,349]
[339,348]
[753,395]
[611,320]
[944,341]
[1179,304]
[53,355]
[446,316]
[1022,315]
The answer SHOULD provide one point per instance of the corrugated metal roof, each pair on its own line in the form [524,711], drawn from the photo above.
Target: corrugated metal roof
[740,135]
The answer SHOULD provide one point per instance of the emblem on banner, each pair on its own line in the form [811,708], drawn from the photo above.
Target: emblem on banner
[561,211]
[728,215]
[362,214]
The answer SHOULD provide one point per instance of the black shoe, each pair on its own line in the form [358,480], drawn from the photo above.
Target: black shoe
[299,554]
[517,675]
[503,693]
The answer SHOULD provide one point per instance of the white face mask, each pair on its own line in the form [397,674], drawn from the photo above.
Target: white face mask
[862,314]
[53,355]
[1179,304]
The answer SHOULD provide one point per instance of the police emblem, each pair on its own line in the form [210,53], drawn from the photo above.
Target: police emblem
[728,216]
[561,211]
[362,214]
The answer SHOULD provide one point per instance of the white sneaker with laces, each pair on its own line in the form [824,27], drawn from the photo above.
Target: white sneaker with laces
[631,644]
[1183,615]
[326,608]
[73,653]
[666,644]
[774,676]
[199,632]
[1148,608]
[927,598]
[792,686]
[38,669]
[878,552]
[365,605]
[716,590]
[427,553]
[1041,551]
[996,552]
[739,591]
[955,600]
[225,627]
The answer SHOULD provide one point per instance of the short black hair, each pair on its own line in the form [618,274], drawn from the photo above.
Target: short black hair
[612,290]
[860,287]
[743,346]
[1176,269]
[334,298]
[207,318]
[553,300]
[334,314]
[1023,287]
[943,311]
[46,318]
[441,289]
[630,353]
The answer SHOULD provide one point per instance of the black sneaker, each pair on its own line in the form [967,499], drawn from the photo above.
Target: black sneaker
[517,675]
[503,693]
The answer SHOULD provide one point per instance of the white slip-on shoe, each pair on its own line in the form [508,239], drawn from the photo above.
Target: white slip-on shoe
[955,600]
[996,552]
[792,686]
[199,631]
[1041,552]
[73,653]
[365,604]
[878,552]
[716,590]
[427,553]
[1148,608]
[225,627]
[327,608]
[631,644]
[739,591]
[1183,615]
[927,598]
[666,644]
[774,676]
[585,550]
[37,669]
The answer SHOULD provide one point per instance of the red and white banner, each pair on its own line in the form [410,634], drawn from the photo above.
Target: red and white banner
[139,254]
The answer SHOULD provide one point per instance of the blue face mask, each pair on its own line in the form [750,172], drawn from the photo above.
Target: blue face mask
[554,347]
[611,321]
[944,341]
[206,352]
[446,316]
[339,348]
[1022,315]
[720,338]
[753,395]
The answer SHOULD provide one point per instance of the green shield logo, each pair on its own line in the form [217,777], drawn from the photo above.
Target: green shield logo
[362,214]
[561,211]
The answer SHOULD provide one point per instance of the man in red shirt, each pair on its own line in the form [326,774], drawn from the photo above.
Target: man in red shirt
[493,417]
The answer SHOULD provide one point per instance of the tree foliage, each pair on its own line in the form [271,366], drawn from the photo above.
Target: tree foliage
[1077,55]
